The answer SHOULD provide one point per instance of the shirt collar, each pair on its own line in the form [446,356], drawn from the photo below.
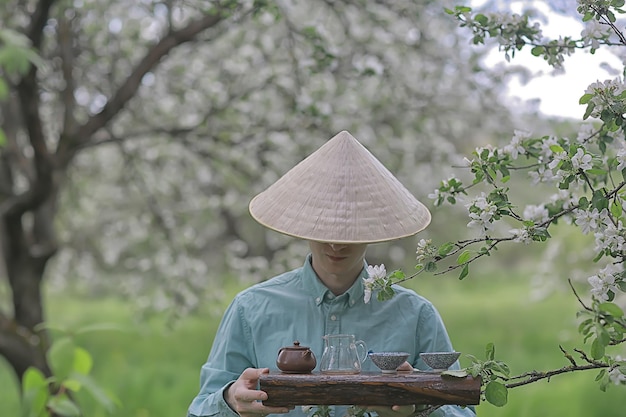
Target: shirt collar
[318,290]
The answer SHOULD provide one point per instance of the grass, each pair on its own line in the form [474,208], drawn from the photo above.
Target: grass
[154,370]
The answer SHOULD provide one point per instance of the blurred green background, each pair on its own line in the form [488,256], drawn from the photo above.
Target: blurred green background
[154,368]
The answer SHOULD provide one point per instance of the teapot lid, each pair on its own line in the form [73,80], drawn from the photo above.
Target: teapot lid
[296,346]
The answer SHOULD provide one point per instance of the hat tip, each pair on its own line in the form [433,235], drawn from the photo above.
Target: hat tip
[344,134]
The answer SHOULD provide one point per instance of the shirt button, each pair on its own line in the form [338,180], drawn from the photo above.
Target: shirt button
[317,300]
[352,302]
[329,296]
[333,317]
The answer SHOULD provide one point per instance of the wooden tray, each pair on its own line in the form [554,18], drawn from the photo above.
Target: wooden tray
[369,388]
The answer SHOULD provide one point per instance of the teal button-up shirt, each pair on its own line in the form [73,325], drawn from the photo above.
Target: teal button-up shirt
[297,306]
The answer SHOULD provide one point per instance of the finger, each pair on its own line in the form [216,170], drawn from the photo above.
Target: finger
[403,408]
[400,410]
[253,374]
[275,410]
[406,366]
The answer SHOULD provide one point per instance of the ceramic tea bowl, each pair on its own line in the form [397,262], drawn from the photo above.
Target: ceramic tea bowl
[388,362]
[439,361]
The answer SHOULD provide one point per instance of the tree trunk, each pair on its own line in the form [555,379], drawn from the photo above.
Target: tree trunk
[27,245]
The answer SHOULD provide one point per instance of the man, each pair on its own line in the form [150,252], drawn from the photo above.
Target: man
[339,199]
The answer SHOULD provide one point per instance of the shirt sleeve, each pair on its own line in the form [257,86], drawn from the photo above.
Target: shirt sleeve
[230,355]
[432,336]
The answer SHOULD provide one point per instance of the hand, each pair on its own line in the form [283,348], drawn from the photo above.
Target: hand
[243,397]
[393,411]
[396,410]
[405,367]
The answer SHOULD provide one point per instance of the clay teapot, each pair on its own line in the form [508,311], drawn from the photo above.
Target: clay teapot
[296,359]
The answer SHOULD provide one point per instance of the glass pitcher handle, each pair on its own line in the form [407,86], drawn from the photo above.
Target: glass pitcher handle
[361,349]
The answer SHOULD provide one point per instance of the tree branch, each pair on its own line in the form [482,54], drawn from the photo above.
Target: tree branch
[20,347]
[38,21]
[534,376]
[128,89]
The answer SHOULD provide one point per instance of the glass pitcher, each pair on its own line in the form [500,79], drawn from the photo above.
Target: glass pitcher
[342,354]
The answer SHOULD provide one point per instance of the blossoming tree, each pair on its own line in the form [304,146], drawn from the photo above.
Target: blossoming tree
[587,176]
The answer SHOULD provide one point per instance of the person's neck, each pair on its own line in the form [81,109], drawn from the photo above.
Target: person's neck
[337,284]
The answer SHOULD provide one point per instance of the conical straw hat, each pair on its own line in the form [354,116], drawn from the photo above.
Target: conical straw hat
[342,194]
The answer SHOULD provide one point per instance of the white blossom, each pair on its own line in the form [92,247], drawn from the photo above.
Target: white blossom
[367,291]
[604,93]
[541,175]
[482,220]
[424,250]
[516,148]
[489,148]
[565,198]
[521,236]
[621,159]
[435,194]
[538,214]
[617,377]
[594,31]
[610,238]
[546,151]
[588,221]
[585,132]
[374,272]
[558,158]
[581,160]
[604,282]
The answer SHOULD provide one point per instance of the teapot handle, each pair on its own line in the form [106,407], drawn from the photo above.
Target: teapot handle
[361,349]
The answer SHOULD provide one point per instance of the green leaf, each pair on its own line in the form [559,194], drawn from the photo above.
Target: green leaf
[616,209]
[496,393]
[72,384]
[585,98]
[482,19]
[61,357]
[104,398]
[445,249]
[33,378]
[537,50]
[464,272]
[597,349]
[590,107]
[556,149]
[61,405]
[99,327]
[583,203]
[463,257]
[596,171]
[35,393]
[599,200]
[609,14]
[82,361]
[430,266]
[585,326]
[490,351]
[455,373]
[611,308]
